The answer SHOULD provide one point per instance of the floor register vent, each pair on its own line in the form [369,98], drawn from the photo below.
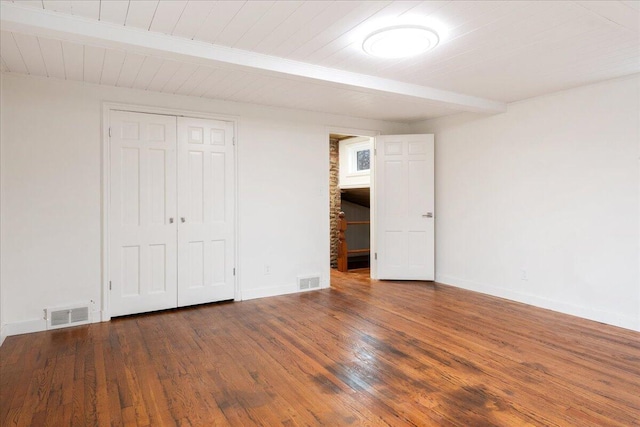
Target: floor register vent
[311,282]
[67,316]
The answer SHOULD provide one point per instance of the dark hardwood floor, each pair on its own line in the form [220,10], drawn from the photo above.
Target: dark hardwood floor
[361,353]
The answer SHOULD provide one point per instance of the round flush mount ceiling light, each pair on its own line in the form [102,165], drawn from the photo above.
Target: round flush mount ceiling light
[400,41]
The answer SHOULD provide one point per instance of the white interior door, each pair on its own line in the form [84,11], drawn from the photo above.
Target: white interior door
[404,200]
[142,200]
[205,211]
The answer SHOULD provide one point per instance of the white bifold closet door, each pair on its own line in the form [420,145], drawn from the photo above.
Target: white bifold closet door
[205,210]
[171,216]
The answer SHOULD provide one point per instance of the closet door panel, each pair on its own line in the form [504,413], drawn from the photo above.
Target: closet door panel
[206,229]
[142,210]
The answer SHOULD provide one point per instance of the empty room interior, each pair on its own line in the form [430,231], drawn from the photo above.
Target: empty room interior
[420,213]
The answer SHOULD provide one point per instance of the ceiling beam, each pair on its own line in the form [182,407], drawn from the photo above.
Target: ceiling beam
[43,23]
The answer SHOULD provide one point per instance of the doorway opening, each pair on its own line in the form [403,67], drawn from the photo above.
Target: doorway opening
[351,161]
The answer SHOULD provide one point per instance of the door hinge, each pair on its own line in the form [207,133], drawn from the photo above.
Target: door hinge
[233,140]
[109,284]
[234,271]
[375,256]
[375,151]
[109,132]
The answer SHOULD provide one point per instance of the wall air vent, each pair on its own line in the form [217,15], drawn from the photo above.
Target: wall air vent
[314,282]
[61,317]
[308,282]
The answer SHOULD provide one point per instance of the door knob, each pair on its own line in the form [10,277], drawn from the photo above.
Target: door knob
[182,219]
[170,220]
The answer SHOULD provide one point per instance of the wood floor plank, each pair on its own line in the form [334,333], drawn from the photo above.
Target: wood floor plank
[361,353]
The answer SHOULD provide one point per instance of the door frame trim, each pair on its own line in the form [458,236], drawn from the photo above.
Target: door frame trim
[107,108]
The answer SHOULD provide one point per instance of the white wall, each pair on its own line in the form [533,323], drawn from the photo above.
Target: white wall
[541,204]
[51,192]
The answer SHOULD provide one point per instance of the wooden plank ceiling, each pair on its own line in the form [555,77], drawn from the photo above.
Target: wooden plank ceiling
[494,51]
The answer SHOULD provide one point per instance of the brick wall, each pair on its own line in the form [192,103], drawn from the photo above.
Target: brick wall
[334,198]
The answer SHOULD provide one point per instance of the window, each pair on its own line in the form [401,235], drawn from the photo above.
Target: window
[362,160]
[359,158]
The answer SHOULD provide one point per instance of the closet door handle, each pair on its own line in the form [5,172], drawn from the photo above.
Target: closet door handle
[182,219]
[170,220]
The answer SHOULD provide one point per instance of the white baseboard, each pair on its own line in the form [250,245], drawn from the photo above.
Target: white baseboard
[35,325]
[273,291]
[25,327]
[2,334]
[590,313]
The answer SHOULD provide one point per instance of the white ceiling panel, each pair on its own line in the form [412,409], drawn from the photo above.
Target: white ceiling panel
[428,8]
[147,72]
[271,90]
[37,4]
[616,12]
[246,90]
[167,16]
[93,63]
[10,53]
[53,59]
[113,61]
[192,18]
[307,54]
[85,8]
[487,72]
[141,13]
[210,82]
[233,83]
[73,56]
[30,51]
[634,4]
[300,17]
[165,73]
[247,16]
[114,11]
[330,16]
[62,6]
[212,86]
[182,74]
[490,13]
[129,70]
[198,76]
[274,17]
[218,19]
[491,44]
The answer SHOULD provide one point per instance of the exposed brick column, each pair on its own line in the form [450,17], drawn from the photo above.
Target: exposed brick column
[334,198]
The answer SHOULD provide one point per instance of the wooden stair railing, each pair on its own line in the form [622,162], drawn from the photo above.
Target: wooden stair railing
[343,252]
